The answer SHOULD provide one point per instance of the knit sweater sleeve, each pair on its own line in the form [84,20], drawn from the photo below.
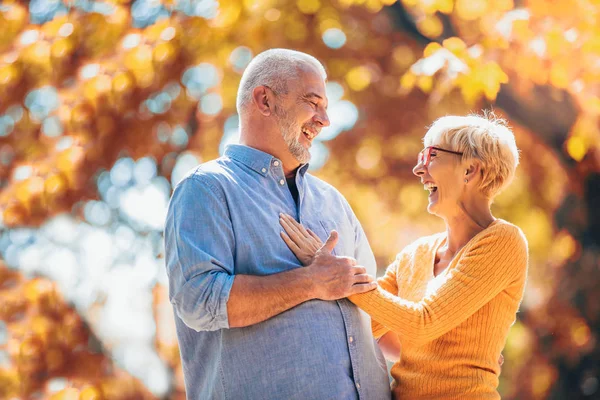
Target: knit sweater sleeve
[483,269]
[388,283]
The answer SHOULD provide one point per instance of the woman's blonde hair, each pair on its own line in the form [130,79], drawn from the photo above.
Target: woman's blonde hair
[486,138]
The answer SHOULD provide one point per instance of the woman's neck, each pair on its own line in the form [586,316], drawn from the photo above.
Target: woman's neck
[464,226]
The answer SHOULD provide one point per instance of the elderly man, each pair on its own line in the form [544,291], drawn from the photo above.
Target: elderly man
[251,322]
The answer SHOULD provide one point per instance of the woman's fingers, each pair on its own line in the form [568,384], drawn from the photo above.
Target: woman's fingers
[290,243]
[298,227]
[293,233]
[314,236]
[290,228]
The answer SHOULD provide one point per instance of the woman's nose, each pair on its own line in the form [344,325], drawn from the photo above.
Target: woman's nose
[418,170]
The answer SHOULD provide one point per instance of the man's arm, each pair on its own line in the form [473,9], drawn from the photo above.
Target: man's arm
[254,299]
[205,292]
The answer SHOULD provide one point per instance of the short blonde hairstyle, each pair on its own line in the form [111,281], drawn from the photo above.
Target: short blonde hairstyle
[485,138]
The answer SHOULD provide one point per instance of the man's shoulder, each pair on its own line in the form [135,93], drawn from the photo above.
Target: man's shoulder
[210,173]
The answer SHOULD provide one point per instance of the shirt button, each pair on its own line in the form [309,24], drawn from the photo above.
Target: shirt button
[351,339]
[282,182]
[264,170]
[276,163]
[358,385]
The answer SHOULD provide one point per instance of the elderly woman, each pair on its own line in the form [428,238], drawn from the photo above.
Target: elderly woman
[449,299]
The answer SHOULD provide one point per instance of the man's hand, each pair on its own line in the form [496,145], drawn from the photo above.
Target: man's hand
[337,277]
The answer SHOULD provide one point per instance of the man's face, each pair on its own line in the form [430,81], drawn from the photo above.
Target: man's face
[302,113]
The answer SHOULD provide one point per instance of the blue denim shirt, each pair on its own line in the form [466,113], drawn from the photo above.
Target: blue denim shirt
[223,220]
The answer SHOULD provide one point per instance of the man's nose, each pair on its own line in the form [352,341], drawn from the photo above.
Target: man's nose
[322,118]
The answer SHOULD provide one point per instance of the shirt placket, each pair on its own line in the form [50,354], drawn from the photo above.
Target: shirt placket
[279,177]
[351,337]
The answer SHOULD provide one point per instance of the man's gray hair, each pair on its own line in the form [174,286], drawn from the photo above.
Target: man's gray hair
[273,68]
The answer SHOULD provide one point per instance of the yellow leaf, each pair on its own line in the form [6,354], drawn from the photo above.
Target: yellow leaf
[455,45]
[425,83]
[431,48]
[577,148]
[521,30]
[308,6]
[592,45]
[559,76]
[470,91]
[555,43]
[410,3]
[502,5]
[445,6]
[408,81]
[593,105]
[431,26]
[470,10]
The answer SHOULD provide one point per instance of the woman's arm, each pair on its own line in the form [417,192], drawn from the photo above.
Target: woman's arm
[488,266]
[390,346]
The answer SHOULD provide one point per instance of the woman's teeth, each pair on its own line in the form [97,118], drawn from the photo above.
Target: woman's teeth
[431,187]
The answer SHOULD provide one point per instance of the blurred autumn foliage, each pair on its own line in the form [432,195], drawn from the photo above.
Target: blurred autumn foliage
[103,104]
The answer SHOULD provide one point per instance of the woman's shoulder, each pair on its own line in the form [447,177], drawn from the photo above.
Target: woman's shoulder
[505,231]
[419,248]
[500,238]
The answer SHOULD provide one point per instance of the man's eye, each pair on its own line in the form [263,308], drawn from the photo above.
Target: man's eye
[432,154]
[314,104]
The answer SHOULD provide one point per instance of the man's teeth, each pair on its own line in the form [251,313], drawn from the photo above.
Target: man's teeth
[307,133]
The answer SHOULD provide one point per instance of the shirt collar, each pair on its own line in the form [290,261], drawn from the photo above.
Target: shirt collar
[255,159]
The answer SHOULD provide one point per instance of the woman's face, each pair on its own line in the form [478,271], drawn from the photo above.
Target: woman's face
[443,175]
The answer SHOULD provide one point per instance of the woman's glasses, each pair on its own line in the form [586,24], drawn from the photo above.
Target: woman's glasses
[425,154]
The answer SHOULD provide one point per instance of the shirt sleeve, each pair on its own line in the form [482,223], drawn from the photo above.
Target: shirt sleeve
[486,268]
[199,248]
[363,254]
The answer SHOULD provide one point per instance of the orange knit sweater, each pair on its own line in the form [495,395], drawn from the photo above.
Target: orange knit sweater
[452,327]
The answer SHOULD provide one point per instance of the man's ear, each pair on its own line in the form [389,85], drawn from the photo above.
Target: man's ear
[262,97]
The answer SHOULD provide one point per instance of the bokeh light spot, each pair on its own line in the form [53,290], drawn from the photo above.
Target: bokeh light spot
[199,78]
[358,78]
[185,162]
[52,127]
[334,38]
[7,125]
[211,104]
[334,91]
[122,172]
[21,173]
[319,154]
[42,102]
[240,58]
[145,170]
[179,137]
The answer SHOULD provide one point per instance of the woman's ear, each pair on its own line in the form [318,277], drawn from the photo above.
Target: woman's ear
[472,171]
[262,97]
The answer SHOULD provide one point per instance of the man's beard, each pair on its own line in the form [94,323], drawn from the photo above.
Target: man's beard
[289,130]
